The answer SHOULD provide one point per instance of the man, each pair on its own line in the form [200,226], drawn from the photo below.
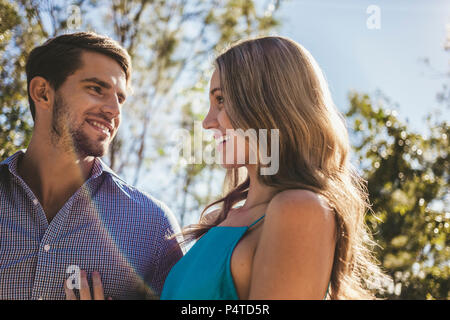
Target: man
[61,208]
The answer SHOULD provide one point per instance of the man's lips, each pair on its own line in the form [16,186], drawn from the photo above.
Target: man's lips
[102,126]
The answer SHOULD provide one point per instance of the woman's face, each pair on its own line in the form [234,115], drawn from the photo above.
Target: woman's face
[231,146]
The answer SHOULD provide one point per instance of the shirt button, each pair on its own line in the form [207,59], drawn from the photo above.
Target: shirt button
[47,247]
[35,201]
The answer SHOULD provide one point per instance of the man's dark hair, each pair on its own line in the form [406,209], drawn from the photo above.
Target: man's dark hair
[60,57]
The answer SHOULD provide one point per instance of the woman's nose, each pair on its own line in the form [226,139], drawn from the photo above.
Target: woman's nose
[210,121]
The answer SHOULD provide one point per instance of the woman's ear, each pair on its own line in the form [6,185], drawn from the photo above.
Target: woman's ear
[42,93]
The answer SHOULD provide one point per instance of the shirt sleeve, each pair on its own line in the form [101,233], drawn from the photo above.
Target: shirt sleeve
[169,250]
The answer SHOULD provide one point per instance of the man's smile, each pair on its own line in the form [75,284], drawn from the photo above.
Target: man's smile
[100,126]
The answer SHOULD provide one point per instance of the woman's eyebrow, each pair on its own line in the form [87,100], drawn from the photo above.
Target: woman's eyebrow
[214,90]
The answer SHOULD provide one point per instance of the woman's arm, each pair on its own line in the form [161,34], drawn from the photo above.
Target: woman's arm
[294,256]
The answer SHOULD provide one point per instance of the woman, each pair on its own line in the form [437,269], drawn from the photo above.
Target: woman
[300,233]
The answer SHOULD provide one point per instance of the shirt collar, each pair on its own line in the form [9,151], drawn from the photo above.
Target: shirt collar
[11,162]
[98,168]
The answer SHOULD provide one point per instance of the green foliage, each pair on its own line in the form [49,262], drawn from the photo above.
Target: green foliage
[407,175]
[15,128]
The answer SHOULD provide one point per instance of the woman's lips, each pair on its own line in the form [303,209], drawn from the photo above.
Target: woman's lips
[220,141]
[221,146]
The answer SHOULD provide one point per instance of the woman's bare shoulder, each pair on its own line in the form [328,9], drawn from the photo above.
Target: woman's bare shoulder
[300,205]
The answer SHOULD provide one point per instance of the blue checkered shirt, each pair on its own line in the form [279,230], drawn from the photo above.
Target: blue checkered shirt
[106,226]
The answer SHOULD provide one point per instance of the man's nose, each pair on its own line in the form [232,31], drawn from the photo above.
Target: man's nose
[112,107]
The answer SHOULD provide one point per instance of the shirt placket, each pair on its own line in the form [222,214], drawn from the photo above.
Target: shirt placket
[45,280]
[40,220]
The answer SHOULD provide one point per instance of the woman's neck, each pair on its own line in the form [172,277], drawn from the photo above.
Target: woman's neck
[258,193]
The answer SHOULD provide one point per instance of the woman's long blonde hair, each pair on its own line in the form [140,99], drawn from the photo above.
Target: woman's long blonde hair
[274,83]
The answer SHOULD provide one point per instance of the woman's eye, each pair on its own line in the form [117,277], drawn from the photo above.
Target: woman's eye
[220,99]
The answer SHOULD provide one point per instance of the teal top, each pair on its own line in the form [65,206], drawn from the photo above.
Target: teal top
[204,273]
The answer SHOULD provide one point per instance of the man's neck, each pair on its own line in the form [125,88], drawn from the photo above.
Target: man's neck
[52,174]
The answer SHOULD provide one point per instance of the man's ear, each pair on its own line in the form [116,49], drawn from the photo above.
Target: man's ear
[42,93]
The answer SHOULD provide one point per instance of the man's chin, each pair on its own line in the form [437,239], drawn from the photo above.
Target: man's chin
[86,148]
[88,154]
[92,152]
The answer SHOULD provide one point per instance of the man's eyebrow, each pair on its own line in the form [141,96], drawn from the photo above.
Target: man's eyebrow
[101,83]
[214,90]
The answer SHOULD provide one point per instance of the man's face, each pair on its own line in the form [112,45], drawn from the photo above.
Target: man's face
[87,106]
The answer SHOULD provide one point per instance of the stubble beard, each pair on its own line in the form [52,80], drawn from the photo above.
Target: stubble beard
[69,135]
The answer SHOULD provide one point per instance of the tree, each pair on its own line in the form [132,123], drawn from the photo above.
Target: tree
[172,81]
[407,175]
[170,43]
[15,128]
[22,28]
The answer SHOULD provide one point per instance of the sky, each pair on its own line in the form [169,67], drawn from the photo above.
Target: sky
[352,56]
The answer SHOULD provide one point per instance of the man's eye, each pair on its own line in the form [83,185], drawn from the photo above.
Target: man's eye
[96,89]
